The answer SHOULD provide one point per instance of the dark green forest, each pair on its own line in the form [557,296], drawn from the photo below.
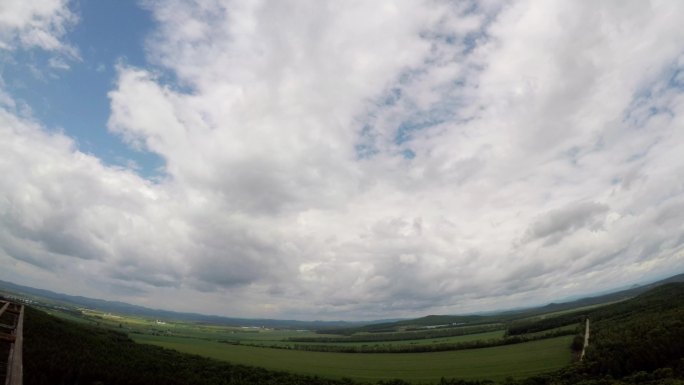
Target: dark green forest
[519,328]
[638,341]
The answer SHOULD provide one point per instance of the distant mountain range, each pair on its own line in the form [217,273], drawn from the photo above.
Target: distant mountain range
[125,308]
[128,309]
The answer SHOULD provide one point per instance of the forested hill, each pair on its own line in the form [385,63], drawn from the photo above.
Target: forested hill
[638,341]
[642,334]
[609,297]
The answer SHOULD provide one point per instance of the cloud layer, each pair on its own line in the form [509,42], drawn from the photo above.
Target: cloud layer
[364,159]
[40,23]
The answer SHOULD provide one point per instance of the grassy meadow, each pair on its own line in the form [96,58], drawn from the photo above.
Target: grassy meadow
[497,363]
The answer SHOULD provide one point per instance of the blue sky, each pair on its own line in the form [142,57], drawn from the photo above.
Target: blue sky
[326,160]
[74,99]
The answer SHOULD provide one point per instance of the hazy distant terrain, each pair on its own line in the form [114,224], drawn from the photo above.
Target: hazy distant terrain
[124,308]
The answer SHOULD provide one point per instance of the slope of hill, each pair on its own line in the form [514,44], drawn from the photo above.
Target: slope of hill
[637,341]
[604,298]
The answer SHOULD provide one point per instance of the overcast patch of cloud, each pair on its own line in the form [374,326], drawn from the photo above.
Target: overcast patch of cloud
[368,160]
[557,223]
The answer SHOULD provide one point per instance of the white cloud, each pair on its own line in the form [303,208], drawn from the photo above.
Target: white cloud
[58,64]
[39,23]
[370,159]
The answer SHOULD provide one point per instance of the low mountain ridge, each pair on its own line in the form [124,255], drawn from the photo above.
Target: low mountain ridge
[128,309]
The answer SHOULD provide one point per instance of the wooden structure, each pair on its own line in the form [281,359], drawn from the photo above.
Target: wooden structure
[11,341]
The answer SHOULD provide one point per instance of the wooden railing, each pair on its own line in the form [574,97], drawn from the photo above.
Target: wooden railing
[12,337]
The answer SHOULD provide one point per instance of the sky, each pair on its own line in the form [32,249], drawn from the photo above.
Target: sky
[352,160]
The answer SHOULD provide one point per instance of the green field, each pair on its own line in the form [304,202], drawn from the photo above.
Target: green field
[497,363]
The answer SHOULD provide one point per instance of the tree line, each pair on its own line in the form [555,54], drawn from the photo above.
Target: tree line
[518,328]
[403,336]
[418,348]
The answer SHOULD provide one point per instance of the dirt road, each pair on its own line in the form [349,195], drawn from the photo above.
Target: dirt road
[586,340]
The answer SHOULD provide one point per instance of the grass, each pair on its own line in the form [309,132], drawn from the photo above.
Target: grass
[497,363]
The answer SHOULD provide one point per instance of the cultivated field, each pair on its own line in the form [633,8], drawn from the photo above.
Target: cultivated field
[497,363]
